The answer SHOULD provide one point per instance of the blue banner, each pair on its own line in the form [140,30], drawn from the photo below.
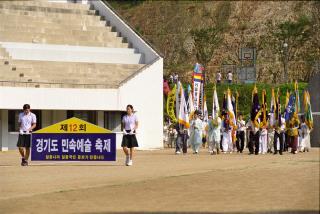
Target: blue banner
[73,147]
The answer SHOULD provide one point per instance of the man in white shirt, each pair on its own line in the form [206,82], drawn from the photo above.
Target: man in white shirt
[229,77]
[218,78]
[241,124]
[279,133]
[27,122]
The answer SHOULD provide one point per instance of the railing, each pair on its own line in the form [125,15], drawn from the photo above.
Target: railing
[132,28]
[39,84]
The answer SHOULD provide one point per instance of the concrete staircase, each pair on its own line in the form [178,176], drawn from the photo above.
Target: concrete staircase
[45,44]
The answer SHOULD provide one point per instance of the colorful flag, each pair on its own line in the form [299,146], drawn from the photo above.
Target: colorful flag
[183,116]
[255,107]
[197,90]
[215,104]
[198,68]
[178,96]
[230,110]
[190,106]
[307,109]
[264,112]
[205,111]
[273,110]
[170,104]
[297,104]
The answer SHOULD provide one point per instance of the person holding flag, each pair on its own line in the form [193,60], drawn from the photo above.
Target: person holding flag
[214,135]
[306,125]
[294,119]
[254,124]
[214,126]
[280,126]
[272,121]
[241,128]
[183,124]
[263,141]
[196,132]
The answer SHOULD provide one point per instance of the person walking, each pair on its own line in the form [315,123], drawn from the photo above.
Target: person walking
[27,123]
[214,135]
[279,134]
[196,133]
[241,125]
[129,140]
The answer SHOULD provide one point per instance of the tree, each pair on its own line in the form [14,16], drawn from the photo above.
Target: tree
[206,41]
[288,39]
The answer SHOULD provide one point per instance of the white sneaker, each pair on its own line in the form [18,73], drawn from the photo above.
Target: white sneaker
[127,160]
[130,163]
[178,152]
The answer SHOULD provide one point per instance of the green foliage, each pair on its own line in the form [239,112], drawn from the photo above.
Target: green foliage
[124,4]
[206,40]
[294,33]
[245,94]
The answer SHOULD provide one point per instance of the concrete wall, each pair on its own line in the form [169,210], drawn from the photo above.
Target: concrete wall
[144,92]
[137,43]
[59,98]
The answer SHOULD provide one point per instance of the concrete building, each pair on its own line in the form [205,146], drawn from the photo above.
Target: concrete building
[65,60]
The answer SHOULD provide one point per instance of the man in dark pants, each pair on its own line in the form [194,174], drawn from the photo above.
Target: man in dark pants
[279,133]
[240,133]
[27,122]
[182,138]
[254,136]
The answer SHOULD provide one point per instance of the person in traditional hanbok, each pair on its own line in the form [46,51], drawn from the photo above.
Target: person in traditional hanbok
[304,133]
[226,136]
[263,141]
[293,133]
[214,135]
[196,133]
[270,139]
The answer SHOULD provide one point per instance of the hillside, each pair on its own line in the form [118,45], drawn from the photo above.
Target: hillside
[167,25]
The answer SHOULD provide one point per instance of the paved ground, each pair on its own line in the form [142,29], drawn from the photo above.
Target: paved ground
[161,182]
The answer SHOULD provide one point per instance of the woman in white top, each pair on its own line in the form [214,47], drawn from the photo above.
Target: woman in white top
[129,140]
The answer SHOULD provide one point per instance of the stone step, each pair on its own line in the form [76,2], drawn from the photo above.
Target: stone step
[115,42]
[50,15]
[46,3]
[38,26]
[65,33]
[25,19]
[42,8]
[63,30]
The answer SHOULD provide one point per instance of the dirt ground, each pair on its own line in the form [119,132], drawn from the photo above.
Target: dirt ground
[161,182]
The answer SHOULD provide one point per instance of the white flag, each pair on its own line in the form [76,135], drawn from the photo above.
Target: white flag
[190,106]
[205,111]
[230,109]
[183,111]
[273,118]
[215,104]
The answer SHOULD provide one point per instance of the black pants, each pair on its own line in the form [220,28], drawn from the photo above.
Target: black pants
[280,136]
[182,143]
[240,141]
[254,142]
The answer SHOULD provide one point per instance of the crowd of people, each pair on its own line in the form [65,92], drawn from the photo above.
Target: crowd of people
[219,135]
